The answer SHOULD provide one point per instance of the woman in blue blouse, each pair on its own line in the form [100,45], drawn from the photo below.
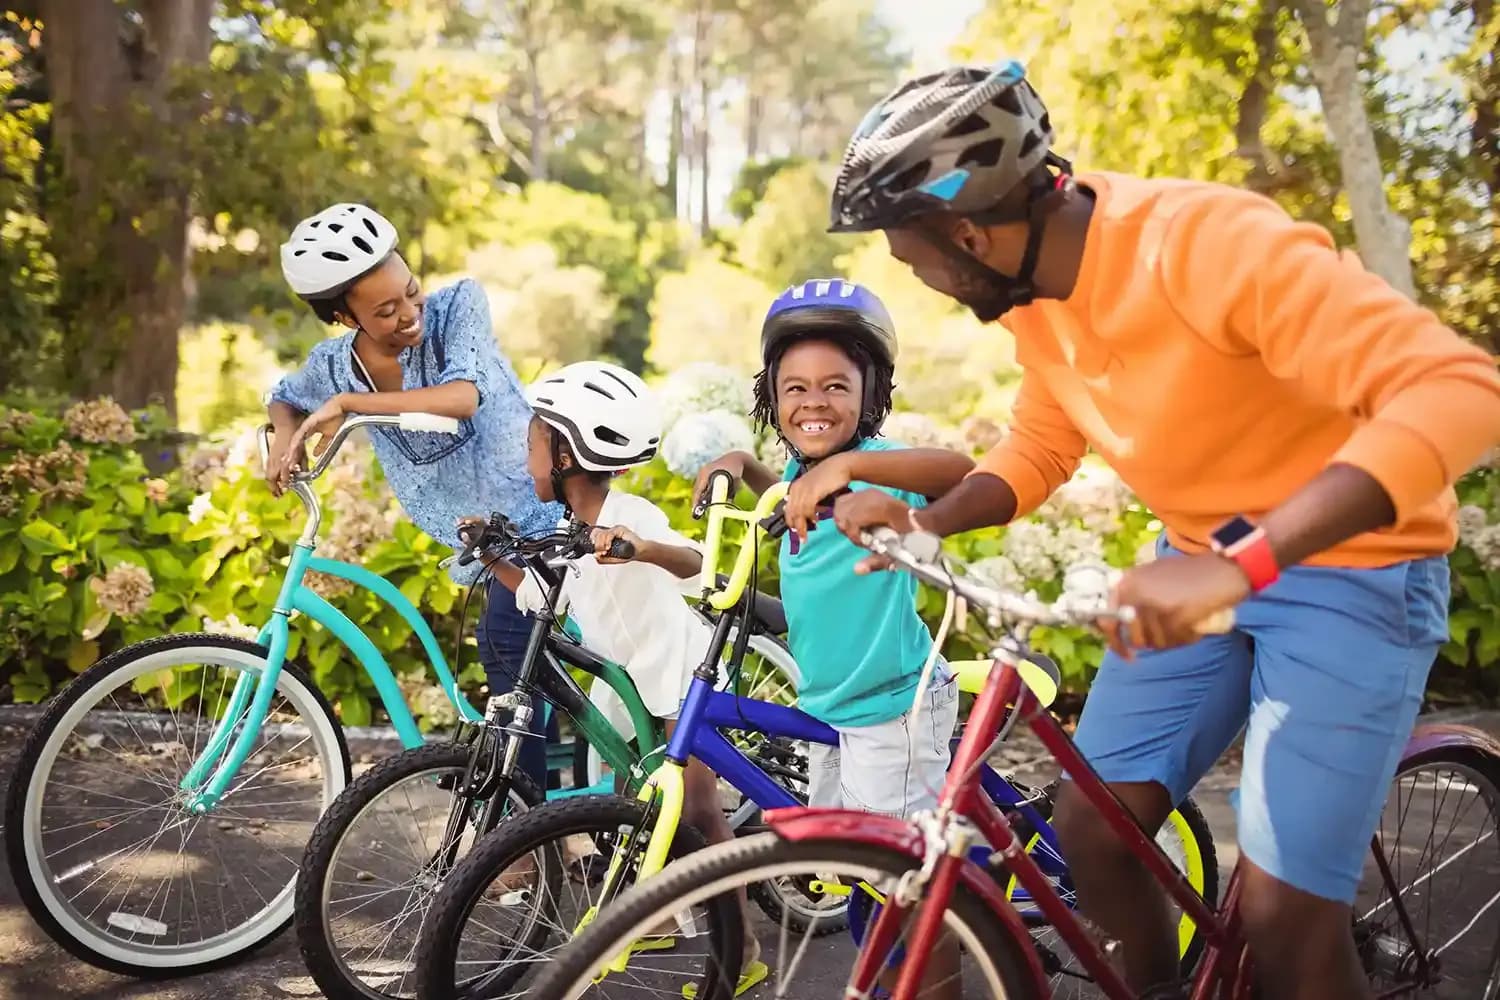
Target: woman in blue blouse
[410,352]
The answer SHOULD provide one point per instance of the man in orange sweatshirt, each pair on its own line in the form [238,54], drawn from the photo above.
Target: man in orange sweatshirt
[1297,426]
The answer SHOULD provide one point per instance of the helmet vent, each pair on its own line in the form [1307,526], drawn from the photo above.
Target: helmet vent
[601,391]
[363,244]
[335,255]
[611,435]
[970,125]
[986,154]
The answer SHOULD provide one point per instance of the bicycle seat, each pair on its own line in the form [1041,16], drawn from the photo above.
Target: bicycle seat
[769,615]
[1037,672]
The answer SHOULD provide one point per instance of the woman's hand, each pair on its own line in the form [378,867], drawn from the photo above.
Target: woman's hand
[732,463]
[281,462]
[325,421]
[814,486]
[603,538]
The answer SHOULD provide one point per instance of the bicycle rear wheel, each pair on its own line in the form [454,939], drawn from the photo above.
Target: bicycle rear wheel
[991,964]
[1437,851]
[105,852]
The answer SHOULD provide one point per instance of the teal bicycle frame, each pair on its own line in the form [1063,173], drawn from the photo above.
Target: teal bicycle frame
[234,737]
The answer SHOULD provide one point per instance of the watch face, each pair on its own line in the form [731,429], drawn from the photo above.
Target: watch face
[1233,532]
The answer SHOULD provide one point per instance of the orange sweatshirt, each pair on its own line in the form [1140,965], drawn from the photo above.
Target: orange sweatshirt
[1219,355]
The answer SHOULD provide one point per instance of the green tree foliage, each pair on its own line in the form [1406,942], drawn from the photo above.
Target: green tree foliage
[787,238]
[709,312]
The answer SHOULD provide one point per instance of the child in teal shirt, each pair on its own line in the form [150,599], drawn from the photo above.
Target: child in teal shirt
[829,351]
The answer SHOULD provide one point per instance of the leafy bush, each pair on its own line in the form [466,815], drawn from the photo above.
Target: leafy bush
[95,554]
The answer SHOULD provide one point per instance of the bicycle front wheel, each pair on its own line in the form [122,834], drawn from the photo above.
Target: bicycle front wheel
[376,860]
[105,851]
[988,960]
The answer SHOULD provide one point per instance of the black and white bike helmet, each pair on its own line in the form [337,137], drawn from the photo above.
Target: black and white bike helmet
[609,417]
[958,141]
[330,251]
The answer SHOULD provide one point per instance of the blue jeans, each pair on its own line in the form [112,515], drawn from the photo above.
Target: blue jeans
[502,634]
[1324,671]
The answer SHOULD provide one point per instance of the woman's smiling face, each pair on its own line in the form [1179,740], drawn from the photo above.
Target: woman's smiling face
[819,394]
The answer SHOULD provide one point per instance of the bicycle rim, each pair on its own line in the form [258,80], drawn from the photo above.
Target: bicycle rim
[125,871]
[799,965]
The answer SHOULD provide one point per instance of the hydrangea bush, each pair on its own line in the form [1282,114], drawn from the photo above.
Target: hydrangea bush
[96,553]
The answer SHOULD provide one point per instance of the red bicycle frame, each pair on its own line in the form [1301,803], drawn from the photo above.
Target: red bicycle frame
[1225,963]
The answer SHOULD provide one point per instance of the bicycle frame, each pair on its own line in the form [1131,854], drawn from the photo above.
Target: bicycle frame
[234,735]
[1225,963]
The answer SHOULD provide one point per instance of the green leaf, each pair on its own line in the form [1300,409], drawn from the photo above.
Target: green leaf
[44,538]
[133,497]
[412,588]
[354,709]
[10,554]
[28,689]
[441,596]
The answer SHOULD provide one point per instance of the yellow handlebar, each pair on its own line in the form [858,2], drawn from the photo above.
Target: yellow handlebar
[719,511]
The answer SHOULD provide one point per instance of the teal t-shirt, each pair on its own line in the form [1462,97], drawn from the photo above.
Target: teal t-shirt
[858,640]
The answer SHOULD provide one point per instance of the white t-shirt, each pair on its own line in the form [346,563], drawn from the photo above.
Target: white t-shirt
[634,614]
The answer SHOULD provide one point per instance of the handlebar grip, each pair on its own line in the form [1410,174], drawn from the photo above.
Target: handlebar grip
[430,422]
[619,548]
[700,505]
[1218,623]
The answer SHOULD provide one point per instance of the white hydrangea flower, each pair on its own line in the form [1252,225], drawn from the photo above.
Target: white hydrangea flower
[999,571]
[200,507]
[1028,545]
[1486,545]
[231,626]
[699,438]
[921,431]
[702,387]
[1471,521]
[1072,545]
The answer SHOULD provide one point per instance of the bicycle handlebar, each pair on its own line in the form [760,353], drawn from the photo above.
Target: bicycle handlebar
[1084,601]
[429,422]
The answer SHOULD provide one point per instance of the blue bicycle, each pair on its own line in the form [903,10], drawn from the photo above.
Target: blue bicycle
[578,855]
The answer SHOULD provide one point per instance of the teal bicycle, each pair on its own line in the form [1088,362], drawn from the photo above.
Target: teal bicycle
[168,792]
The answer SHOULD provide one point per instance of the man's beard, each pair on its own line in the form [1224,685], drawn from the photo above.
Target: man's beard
[991,296]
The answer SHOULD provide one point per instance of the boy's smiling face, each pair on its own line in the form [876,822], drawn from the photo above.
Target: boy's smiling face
[819,394]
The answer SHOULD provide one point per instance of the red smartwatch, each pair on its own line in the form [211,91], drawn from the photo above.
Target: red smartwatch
[1248,546]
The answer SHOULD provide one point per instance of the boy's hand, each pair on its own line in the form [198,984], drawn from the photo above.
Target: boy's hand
[866,509]
[732,463]
[469,528]
[605,537]
[325,421]
[817,484]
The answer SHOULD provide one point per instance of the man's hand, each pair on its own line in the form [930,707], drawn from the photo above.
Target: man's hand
[865,509]
[603,538]
[1171,598]
[325,421]
[732,463]
[817,484]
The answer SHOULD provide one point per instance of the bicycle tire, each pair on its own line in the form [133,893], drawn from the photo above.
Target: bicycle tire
[315,937]
[751,859]
[437,951]
[23,855]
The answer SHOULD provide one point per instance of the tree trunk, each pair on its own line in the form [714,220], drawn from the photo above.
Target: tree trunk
[536,119]
[674,140]
[701,58]
[120,208]
[1484,93]
[1337,39]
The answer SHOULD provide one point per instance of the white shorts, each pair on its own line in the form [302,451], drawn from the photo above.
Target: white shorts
[894,768]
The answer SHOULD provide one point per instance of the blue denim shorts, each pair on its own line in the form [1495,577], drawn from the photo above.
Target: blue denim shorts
[1324,671]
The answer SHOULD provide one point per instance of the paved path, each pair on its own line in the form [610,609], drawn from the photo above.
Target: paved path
[33,968]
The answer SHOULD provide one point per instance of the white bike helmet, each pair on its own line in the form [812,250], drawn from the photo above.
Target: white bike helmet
[611,420]
[329,251]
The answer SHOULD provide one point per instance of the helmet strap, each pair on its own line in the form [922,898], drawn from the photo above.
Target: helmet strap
[561,474]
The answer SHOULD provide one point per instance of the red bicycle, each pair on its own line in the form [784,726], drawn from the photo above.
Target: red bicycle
[958,876]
